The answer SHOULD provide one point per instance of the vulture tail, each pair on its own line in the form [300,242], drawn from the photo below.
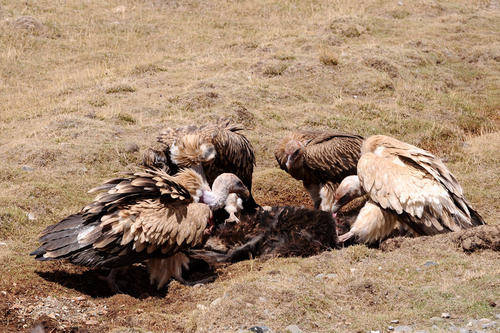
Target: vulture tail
[476,219]
[65,238]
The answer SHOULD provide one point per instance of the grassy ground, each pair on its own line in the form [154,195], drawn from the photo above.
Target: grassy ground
[82,80]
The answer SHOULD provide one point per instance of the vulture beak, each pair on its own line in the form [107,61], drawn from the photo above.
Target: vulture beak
[288,162]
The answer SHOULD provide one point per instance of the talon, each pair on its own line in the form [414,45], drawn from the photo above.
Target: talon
[232,219]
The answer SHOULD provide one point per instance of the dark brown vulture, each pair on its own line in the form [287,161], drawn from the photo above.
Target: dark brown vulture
[147,215]
[232,150]
[318,158]
[270,232]
[407,185]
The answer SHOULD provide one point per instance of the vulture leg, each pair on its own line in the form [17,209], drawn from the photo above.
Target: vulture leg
[313,190]
[232,218]
[345,237]
[110,279]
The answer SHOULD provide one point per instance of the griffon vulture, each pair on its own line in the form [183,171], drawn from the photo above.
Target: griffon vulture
[318,159]
[232,152]
[145,215]
[407,185]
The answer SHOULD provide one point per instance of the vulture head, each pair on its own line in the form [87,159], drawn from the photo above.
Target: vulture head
[192,149]
[224,185]
[348,190]
[293,152]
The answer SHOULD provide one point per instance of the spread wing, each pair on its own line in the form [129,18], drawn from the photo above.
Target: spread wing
[148,213]
[333,156]
[404,185]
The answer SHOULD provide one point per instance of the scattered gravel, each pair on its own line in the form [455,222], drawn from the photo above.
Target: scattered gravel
[430,263]
[293,329]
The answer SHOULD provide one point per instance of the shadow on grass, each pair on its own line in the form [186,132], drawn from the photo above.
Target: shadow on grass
[133,281]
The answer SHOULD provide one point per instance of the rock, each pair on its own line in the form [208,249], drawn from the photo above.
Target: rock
[3,292]
[353,270]
[91,322]
[259,329]
[31,216]
[3,244]
[131,147]
[198,285]
[27,168]
[464,330]
[390,328]
[497,316]
[403,328]
[445,315]
[201,307]
[331,276]
[79,298]
[430,263]
[262,299]
[292,329]
[320,276]
[400,3]
[216,301]
[84,169]
[395,321]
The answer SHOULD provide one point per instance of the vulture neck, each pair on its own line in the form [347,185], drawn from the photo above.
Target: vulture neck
[216,198]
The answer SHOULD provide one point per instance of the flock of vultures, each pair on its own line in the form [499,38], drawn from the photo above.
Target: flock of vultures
[191,200]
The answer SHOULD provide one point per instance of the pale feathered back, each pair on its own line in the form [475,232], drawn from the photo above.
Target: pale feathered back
[414,184]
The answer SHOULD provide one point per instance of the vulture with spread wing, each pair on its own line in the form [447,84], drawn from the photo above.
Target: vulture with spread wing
[407,185]
[320,159]
[147,215]
[226,150]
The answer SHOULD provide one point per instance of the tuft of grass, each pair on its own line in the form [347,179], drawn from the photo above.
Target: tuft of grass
[125,118]
[275,69]
[98,101]
[120,88]
[328,57]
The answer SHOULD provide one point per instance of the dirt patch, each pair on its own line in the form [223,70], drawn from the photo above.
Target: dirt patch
[485,237]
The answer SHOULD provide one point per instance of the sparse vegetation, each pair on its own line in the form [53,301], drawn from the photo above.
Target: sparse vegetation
[80,79]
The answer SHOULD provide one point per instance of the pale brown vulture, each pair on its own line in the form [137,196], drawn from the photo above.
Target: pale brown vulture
[319,158]
[232,152]
[407,185]
[147,215]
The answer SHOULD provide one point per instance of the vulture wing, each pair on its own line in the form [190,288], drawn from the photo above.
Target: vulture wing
[333,156]
[404,185]
[145,215]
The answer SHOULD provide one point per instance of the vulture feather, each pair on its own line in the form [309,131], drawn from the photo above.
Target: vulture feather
[144,215]
[319,158]
[226,150]
[405,185]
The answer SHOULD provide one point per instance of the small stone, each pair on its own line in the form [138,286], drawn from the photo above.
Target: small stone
[262,299]
[84,169]
[353,270]
[131,147]
[259,329]
[27,168]
[79,298]
[216,301]
[400,3]
[320,276]
[445,315]
[430,263]
[201,307]
[395,321]
[390,328]
[435,327]
[331,276]
[464,330]
[403,329]
[31,216]
[379,268]
[3,292]
[497,316]
[292,329]
[198,285]
[3,244]
[91,322]
[374,331]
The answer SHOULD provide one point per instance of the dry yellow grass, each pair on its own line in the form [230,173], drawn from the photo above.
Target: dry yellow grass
[79,80]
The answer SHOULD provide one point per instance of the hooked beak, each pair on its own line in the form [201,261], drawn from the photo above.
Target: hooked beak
[288,162]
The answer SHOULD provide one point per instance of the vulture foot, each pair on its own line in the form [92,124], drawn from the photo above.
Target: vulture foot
[110,279]
[232,219]
[345,237]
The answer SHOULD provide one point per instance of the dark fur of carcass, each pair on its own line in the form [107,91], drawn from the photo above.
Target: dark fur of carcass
[276,232]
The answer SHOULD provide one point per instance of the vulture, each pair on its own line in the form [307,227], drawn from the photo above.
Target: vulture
[270,232]
[226,150]
[405,185]
[146,215]
[321,159]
